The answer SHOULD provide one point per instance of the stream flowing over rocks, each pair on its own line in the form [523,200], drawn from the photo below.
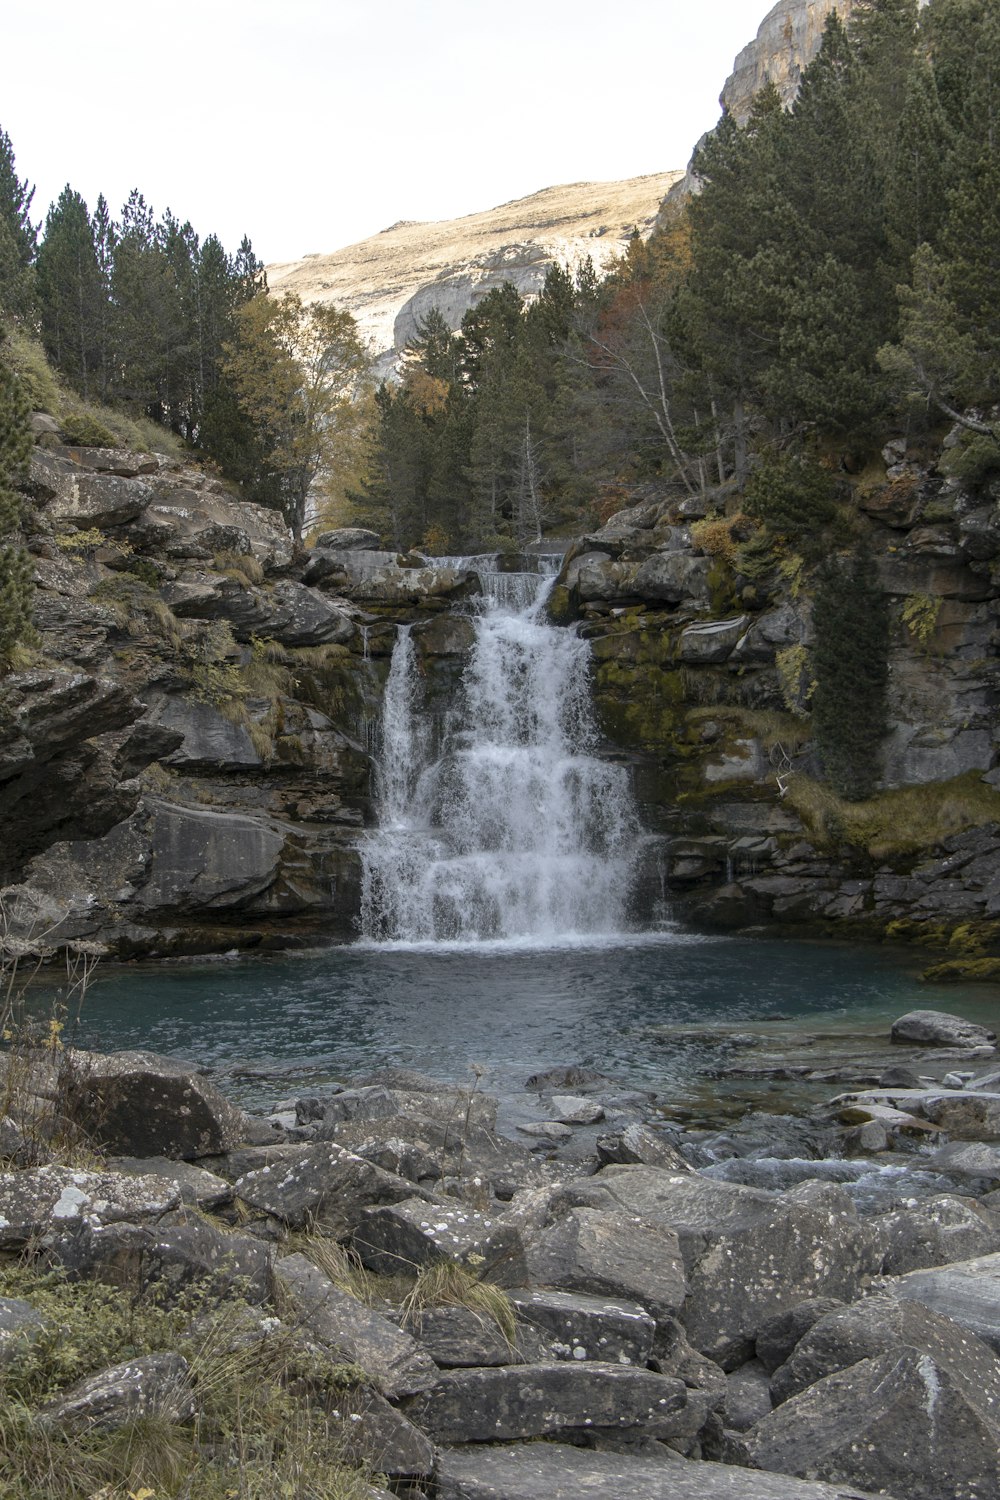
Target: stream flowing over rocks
[617,1318]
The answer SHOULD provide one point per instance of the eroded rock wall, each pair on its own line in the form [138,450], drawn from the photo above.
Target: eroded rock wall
[187,767]
[701,676]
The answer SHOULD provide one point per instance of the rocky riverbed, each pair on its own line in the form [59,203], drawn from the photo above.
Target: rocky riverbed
[566,1295]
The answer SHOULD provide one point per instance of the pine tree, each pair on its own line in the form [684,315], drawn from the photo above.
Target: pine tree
[15,565]
[850,658]
[71,294]
[17,238]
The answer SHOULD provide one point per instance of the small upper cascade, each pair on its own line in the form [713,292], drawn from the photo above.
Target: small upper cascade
[501,824]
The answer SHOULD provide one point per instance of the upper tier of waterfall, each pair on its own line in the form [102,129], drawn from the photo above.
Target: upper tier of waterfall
[499,823]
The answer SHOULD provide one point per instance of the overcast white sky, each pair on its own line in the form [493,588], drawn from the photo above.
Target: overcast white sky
[311,125]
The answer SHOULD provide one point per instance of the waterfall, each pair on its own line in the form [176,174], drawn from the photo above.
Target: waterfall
[499,823]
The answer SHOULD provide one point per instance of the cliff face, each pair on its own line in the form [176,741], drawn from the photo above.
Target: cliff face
[393,279]
[786,42]
[701,675]
[187,768]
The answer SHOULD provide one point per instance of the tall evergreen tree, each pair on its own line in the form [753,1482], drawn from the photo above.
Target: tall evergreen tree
[71,294]
[18,238]
[15,565]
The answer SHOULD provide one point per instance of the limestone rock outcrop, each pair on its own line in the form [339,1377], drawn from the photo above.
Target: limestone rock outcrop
[392,280]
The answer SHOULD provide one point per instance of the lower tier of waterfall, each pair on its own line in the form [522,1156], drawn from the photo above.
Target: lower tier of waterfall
[499,823]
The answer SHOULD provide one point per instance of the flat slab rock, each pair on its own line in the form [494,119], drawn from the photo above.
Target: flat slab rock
[555,1471]
[522,1401]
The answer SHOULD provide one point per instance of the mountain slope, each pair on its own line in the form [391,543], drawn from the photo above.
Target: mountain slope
[394,278]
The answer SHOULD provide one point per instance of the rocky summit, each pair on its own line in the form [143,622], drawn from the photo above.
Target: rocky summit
[392,280]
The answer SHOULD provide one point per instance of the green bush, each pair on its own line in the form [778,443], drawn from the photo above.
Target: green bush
[791,494]
[82,429]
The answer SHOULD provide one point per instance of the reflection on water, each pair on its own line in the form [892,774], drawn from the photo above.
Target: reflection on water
[508,1011]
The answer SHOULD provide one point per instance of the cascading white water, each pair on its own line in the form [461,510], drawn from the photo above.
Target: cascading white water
[513,829]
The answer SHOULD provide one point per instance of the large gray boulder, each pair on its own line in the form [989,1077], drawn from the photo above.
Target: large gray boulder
[904,1422]
[142,1104]
[748,1253]
[181,1250]
[557,1471]
[932,1233]
[606,1254]
[323,1186]
[402,1236]
[388,1355]
[673,578]
[576,1326]
[37,1201]
[884,1325]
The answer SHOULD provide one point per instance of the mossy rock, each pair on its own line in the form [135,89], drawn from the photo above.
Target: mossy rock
[958,970]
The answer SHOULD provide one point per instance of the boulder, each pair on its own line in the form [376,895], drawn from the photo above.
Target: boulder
[712,640]
[966,1291]
[323,1186]
[638,1145]
[36,1201]
[459,1337]
[524,1401]
[180,1250]
[932,1233]
[903,1423]
[883,1324]
[142,1104]
[673,578]
[576,1326]
[354,1333]
[968,1159]
[748,1253]
[606,1254]
[569,1109]
[557,1471]
[349,539]
[198,1188]
[101,500]
[936,1028]
[405,1235]
[748,1396]
[778,1336]
[153,1386]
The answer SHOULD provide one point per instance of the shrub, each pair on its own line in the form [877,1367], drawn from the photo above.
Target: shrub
[791,494]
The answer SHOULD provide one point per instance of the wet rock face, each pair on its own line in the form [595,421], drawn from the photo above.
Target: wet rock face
[196,780]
